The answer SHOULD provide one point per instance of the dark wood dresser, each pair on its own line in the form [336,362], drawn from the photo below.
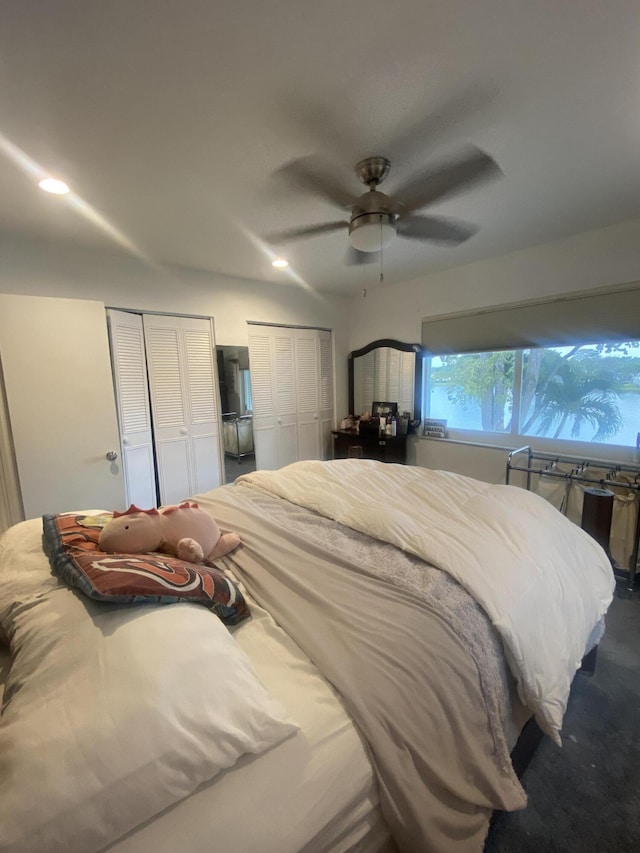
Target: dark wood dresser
[384,448]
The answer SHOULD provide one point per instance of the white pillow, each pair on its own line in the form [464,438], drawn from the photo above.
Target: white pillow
[113,713]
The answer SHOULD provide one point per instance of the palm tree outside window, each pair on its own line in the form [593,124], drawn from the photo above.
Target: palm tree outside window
[586,393]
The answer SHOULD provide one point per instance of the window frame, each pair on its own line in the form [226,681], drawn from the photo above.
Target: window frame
[513,439]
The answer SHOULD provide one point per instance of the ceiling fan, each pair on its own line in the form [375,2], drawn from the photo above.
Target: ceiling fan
[376,218]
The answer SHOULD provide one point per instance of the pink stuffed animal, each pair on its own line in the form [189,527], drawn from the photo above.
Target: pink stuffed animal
[186,531]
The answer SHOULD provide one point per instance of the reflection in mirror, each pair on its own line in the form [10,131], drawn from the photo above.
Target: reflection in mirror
[385,370]
[237,411]
[384,374]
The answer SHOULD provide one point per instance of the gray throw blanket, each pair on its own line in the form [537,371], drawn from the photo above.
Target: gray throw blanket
[415,659]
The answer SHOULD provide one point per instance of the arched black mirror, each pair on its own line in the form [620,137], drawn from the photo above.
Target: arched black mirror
[387,370]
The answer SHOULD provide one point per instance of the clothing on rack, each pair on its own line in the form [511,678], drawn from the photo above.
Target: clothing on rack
[562,481]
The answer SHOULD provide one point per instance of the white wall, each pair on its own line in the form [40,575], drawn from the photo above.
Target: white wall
[42,269]
[596,259]
[482,463]
[607,257]
[38,268]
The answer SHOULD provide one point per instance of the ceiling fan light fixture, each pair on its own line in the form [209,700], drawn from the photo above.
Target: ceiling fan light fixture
[280,263]
[372,231]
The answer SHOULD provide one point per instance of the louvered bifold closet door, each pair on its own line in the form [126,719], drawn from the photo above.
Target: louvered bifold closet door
[292,389]
[183,402]
[271,360]
[283,344]
[263,395]
[132,400]
[202,403]
[307,373]
[326,392]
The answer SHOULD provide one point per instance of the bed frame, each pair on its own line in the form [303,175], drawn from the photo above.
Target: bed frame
[532,734]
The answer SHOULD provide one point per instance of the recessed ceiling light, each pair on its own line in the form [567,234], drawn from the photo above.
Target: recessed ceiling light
[280,263]
[53,185]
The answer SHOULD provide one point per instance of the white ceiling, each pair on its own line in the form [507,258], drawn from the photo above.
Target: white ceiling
[169,118]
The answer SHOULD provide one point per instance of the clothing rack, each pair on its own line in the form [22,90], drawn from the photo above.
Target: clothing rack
[539,463]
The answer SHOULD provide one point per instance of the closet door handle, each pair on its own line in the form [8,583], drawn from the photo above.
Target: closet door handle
[279,420]
[183,431]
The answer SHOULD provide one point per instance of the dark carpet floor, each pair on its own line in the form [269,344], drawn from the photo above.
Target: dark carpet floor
[233,468]
[586,796]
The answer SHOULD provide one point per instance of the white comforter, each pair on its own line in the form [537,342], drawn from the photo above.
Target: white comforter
[544,583]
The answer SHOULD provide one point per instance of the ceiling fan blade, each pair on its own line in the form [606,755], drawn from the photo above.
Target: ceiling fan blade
[322,125]
[305,231]
[435,229]
[308,174]
[452,177]
[460,111]
[352,257]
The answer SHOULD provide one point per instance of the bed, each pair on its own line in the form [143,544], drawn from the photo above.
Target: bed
[405,624]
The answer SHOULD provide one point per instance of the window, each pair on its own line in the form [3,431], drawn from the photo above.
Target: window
[583,392]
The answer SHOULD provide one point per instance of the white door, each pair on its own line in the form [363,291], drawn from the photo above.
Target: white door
[59,389]
[183,393]
[273,389]
[198,352]
[292,389]
[134,416]
[326,393]
[285,385]
[265,438]
[307,374]
[10,500]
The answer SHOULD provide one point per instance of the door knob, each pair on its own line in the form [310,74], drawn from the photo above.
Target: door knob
[111,455]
